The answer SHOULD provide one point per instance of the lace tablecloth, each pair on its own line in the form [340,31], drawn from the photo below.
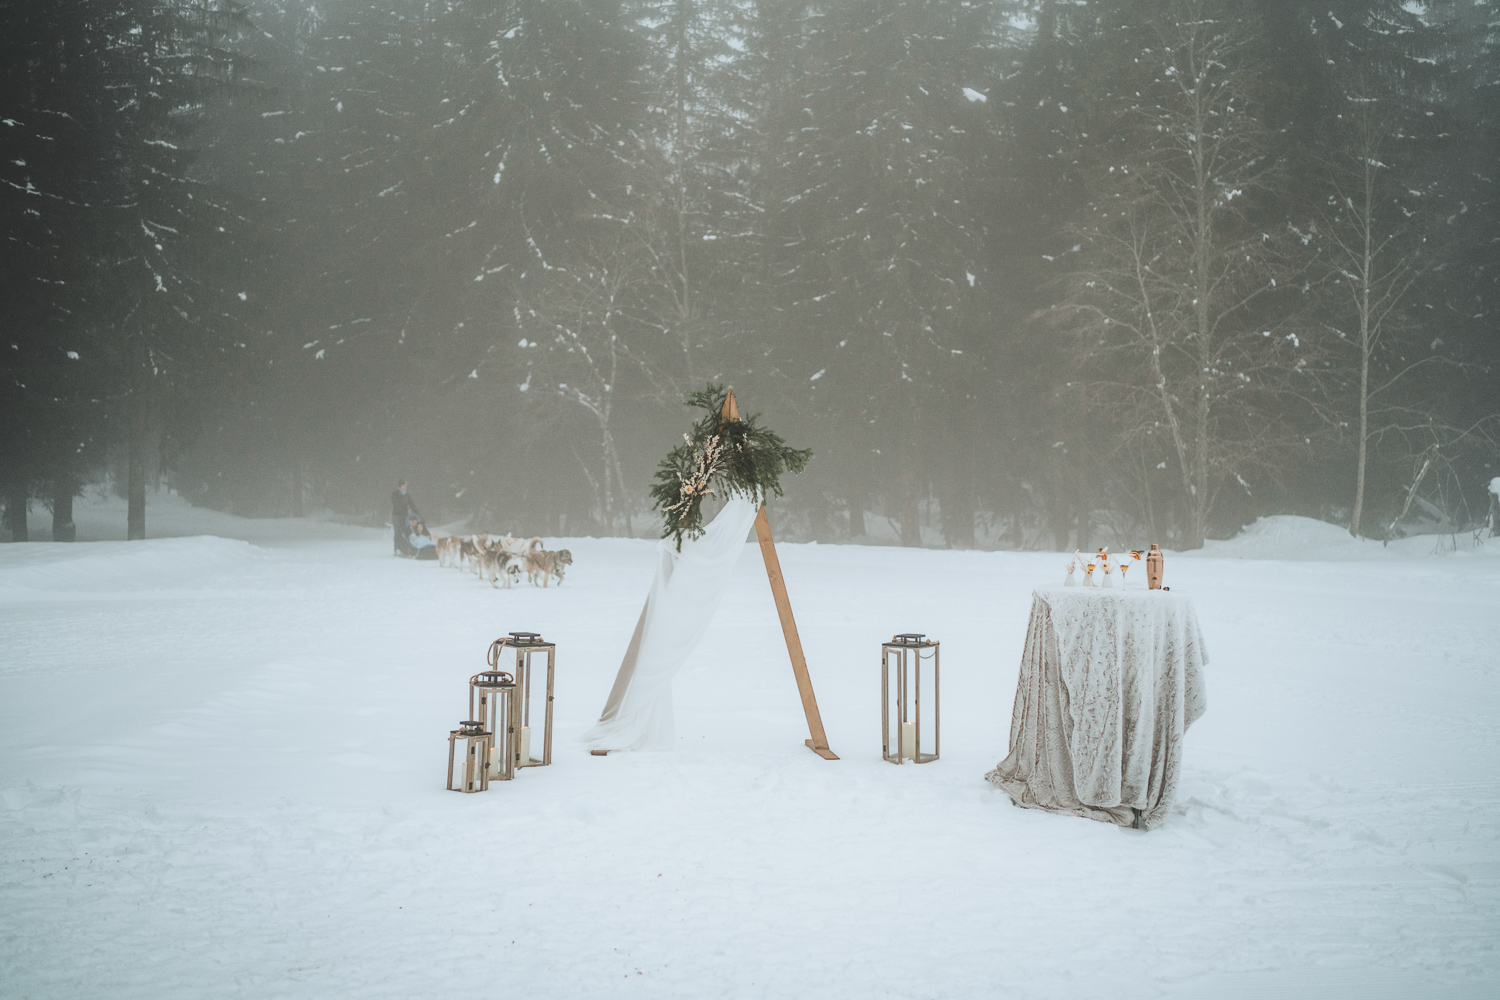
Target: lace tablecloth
[1110,681]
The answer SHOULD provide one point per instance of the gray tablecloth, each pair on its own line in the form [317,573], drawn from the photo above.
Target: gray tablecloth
[1110,681]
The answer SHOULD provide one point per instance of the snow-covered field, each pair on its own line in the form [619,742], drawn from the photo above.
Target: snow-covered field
[222,759]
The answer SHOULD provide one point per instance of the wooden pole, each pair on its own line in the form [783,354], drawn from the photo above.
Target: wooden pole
[819,742]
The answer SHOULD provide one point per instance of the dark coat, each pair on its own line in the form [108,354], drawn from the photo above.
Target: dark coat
[401,505]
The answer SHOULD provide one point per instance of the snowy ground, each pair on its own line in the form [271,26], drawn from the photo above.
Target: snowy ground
[221,769]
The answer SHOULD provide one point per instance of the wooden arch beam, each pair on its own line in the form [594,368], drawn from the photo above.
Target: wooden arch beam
[819,742]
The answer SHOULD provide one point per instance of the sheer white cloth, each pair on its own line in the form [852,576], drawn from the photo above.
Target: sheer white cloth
[1110,681]
[687,590]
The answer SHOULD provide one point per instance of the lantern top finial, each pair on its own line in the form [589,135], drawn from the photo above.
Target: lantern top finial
[470,728]
[525,638]
[909,638]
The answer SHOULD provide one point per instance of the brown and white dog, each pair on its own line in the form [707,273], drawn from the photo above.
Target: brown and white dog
[447,549]
[468,553]
[544,564]
[561,564]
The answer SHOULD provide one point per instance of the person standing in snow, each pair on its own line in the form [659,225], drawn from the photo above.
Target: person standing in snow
[402,505]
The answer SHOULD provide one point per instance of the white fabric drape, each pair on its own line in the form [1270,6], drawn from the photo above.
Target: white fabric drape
[687,590]
[1110,681]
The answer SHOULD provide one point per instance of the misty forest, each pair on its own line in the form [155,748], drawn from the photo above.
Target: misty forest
[1021,273]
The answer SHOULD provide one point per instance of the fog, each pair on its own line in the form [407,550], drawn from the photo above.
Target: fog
[1021,274]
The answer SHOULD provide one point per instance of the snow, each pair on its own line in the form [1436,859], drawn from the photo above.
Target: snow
[1303,538]
[222,757]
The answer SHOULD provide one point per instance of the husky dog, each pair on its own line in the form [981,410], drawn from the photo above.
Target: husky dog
[447,550]
[544,564]
[496,564]
[561,563]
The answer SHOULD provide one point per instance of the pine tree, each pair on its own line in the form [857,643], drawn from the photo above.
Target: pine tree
[875,241]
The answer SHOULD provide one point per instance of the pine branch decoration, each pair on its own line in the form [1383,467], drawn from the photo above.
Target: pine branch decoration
[720,458]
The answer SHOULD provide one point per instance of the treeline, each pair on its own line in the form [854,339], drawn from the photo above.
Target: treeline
[1020,273]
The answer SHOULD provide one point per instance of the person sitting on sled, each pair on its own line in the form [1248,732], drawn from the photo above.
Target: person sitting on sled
[419,538]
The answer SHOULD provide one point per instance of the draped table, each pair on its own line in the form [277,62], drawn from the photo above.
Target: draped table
[1110,681]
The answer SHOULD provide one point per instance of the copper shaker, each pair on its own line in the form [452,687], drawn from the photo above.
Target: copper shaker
[1153,567]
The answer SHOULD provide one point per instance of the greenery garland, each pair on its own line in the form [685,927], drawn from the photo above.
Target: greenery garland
[723,458]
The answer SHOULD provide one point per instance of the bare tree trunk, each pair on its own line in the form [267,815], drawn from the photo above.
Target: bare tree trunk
[296,484]
[1060,523]
[63,529]
[614,461]
[135,464]
[911,514]
[1364,440]
[1378,256]
[1363,302]
[682,92]
[1203,238]
[1198,492]
[593,482]
[958,515]
[608,488]
[16,503]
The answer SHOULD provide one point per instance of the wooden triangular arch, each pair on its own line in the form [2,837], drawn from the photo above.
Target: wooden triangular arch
[819,742]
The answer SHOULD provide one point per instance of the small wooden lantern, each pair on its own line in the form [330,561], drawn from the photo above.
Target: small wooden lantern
[468,754]
[1154,566]
[493,701]
[907,718]
[530,691]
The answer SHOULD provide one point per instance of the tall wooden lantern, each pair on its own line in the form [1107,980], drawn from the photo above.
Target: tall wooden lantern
[468,757]
[494,703]
[909,713]
[534,691]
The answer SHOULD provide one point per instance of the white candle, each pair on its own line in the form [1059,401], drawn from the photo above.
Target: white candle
[525,746]
[909,740]
[494,762]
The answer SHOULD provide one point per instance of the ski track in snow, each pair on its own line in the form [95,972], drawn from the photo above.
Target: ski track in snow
[222,760]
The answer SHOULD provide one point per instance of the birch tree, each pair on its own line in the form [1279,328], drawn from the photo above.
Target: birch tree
[1376,256]
[577,328]
[1175,274]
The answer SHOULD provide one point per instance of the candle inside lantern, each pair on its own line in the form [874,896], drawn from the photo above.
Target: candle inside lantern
[524,754]
[909,740]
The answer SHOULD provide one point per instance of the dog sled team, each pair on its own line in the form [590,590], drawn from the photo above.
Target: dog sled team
[501,559]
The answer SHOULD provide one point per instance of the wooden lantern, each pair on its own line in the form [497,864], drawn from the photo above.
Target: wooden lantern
[1154,565]
[908,718]
[530,692]
[468,757]
[493,701]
